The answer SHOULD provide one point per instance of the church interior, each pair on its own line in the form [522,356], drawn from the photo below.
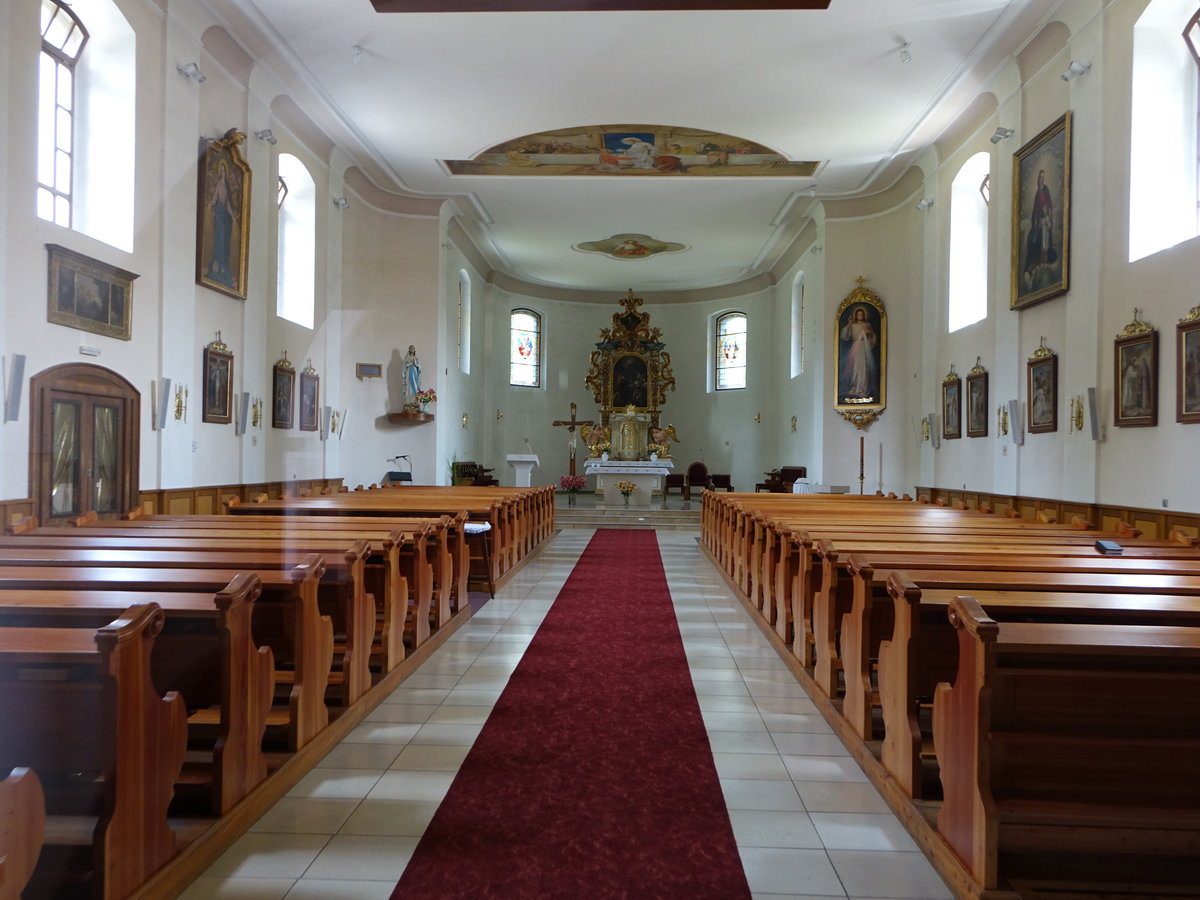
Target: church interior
[629,255]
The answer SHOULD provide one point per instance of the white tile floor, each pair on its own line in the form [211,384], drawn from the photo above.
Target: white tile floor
[807,822]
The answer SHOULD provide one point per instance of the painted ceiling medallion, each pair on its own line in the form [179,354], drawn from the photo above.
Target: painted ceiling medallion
[632,151]
[630,246]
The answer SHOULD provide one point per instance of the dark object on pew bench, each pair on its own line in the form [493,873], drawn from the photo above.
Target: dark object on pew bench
[780,481]
[1109,547]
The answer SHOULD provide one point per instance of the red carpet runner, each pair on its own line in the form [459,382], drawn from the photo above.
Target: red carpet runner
[593,775]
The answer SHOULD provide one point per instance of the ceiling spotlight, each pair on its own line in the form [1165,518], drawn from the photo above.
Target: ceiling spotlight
[266,135]
[1002,134]
[925,203]
[1075,69]
[341,202]
[357,55]
[192,72]
[905,56]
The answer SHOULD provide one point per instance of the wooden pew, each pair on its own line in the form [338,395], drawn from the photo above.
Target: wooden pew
[411,560]
[207,654]
[342,583]
[309,645]
[80,709]
[433,553]
[1068,753]
[22,829]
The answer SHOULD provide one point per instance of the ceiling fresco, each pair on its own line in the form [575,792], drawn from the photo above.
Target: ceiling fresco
[631,150]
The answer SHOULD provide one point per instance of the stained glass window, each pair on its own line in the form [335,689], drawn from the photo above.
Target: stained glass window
[525,348]
[731,351]
[63,39]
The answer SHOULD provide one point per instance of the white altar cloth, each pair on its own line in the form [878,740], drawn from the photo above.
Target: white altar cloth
[644,473]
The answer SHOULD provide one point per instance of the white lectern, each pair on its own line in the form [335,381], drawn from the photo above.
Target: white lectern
[524,463]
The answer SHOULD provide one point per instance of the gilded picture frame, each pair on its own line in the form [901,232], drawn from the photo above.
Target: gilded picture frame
[310,396]
[1187,368]
[283,392]
[223,223]
[217,405]
[1135,376]
[977,403]
[951,406]
[1041,225]
[860,357]
[89,295]
[1042,391]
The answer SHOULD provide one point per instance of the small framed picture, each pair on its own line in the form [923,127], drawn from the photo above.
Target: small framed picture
[951,406]
[218,384]
[310,395]
[89,295]
[1042,388]
[1135,393]
[1187,368]
[283,390]
[977,402]
[368,370]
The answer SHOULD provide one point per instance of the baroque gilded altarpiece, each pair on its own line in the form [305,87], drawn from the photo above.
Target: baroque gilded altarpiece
[630,366]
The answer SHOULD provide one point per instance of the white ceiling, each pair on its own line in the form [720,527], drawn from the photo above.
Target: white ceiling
[813,85]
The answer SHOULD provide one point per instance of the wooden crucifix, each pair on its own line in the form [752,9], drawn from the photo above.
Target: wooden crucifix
[571,424]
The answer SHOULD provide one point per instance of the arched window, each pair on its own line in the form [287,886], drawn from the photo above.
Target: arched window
[1163,141]
[525,348]
[797,325]
[730,349]
[464,322]
[969,243]
[63,40]
[295,286]
[85,178]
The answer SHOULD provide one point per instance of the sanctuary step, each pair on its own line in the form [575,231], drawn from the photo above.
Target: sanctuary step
[634,517]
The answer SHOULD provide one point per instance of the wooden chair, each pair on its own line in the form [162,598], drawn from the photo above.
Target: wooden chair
[674,482]
[697,476]
[720,482]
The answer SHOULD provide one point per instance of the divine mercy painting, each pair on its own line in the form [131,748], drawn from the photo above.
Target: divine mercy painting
[860,343]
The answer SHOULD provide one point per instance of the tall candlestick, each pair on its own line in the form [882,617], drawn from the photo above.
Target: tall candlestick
[860,464]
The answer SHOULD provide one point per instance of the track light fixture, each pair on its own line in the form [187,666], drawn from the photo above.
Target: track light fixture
[905,56]
[266,135]
[1002,134]
[925,203]
[192,72]
[1075,69]
[357,55]
[341,202]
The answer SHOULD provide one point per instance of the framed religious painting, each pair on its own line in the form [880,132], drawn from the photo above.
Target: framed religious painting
[310,395]
[218,384]
[1135,374]
[977,401]
[223,220]
[1042,390]
[860,357]
[1041,226]
[951,406]
[283,393]
[1187,368]
[89,295]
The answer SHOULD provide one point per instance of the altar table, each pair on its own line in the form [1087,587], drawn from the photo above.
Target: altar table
[646,474]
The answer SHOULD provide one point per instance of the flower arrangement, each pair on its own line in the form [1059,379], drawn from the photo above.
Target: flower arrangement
[626,488]
[660,449]
[600,447]
[572,483]
[429,395]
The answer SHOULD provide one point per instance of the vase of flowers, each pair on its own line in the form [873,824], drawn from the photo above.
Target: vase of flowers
[626,488]
[572,484]
[425,397]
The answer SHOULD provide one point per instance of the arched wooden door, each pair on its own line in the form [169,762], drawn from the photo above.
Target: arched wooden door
[84,439]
